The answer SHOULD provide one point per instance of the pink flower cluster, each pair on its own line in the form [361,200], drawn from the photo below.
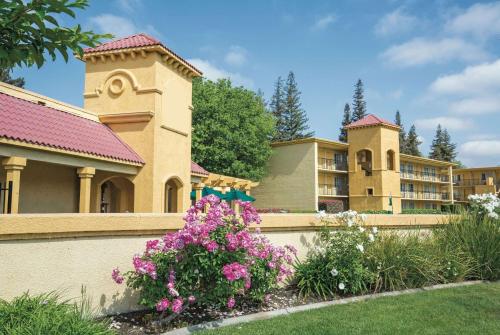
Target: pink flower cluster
[213,226]
[144,267]
[234,271]
[117,277]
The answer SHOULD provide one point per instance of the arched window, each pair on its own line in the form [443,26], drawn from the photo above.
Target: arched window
[117,196]
[364,161]
[173,196]
[391,163]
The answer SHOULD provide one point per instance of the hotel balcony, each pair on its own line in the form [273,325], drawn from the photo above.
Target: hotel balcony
[424,176]
[332,190]
[469,182]
[331,165]
[425,196]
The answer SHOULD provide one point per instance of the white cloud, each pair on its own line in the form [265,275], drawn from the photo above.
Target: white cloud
[476,79]
[421,51]
[120,26]
[396,22]
[481,20]
[212,72]
[487,148]
[116,25]
[129,6]
[476,105]
[323,22]
[479,137]
[236,56]
[445,121]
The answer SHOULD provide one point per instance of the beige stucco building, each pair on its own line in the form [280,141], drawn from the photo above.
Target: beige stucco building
[127,150]
[478,180]
[367,173]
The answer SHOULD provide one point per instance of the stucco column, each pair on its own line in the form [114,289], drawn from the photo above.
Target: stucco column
[85,174]
[450,175]
[198,188]
[13,166]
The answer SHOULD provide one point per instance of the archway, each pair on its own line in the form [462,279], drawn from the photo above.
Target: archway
[173,196]
[364,161]
[116,196]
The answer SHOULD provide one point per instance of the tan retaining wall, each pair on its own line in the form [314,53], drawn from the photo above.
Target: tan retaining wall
[41,253]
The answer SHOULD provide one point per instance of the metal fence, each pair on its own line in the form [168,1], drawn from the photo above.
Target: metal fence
[6,197]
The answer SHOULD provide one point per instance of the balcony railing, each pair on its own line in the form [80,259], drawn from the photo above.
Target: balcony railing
[469,182]
[425,195]
[425,176]
[331,164]
[328,189]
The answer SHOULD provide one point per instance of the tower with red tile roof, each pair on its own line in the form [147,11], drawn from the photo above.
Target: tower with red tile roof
[374,181]
[142,90]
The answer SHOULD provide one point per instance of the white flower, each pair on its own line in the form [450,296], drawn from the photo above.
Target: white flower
[350,222]
[363,217]
[361,229]
[341,286]
[321,215]
[371,237]
[360,248]
[374,230]
[334,272]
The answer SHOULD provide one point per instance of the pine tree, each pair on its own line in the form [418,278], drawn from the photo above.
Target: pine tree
[296,121]
[412,142]
[437,151]
[402,133]
[345,121]
[277,106]
[6,78]
[449,149]
[358,103]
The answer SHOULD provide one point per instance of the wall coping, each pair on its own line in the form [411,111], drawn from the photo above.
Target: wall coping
[49,226]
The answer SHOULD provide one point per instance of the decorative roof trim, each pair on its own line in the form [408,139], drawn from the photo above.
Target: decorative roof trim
[127,117]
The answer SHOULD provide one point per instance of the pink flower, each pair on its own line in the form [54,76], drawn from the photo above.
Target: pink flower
[191,299]
[177,305]
[211,246]
[267,298]
[271,265]
[117,277]
[231,302]
[248,283]
[162,305]
[144,267]
[234,271]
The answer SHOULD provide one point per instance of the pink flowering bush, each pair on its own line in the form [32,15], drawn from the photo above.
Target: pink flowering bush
[213,260]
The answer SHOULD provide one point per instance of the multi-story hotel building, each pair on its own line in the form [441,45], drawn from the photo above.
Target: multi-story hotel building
[366,173]
[479,180]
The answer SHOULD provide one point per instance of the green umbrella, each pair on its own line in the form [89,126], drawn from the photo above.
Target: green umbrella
[208,190]
[238,195]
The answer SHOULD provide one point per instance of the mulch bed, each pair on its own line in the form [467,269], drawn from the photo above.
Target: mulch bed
[147,322]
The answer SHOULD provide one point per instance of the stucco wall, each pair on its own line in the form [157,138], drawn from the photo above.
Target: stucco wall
[291,180]
[48,188]
[41,253]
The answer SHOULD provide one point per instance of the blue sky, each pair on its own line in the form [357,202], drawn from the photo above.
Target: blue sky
[435,61]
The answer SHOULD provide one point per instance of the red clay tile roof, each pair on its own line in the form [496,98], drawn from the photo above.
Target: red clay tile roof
[29,122]
[195,168]
[370,120]
[134,41]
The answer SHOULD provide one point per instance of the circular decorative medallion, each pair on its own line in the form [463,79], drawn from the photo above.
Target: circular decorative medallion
[117,86]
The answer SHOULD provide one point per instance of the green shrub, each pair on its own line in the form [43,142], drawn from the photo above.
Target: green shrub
[46,314]
[478,236]
[337,265]
[421,211]
[413,260]
[452,208]
[380,211]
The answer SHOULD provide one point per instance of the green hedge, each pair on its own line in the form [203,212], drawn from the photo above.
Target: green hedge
[376,212]
[421,211]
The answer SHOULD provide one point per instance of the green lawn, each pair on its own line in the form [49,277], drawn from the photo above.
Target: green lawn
[463,310]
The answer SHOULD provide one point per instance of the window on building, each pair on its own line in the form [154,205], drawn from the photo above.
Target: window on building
[369,191]
[391,160]
[483,176]
[364,161]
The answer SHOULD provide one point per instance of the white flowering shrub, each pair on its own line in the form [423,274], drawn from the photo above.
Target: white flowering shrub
[486,204]
[337,264]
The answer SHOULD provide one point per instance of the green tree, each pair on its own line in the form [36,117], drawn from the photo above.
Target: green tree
[277,106]
[30,30]
[437,149]
[412,143]
[358,103]
[6,78]
[402,133]
[231,129]
[449,148]
[346,119]
[295,117]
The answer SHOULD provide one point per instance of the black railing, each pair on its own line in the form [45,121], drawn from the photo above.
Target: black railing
[6,197]
[331,164]
[425,176]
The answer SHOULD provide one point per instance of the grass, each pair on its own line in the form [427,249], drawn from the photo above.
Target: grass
[463,310]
